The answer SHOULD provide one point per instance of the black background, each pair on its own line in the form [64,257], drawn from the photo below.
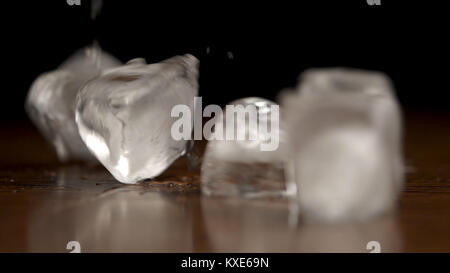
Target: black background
[278,262]
[272,42]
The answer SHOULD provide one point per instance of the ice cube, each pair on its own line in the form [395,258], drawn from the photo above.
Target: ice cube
[344,130]
[124,115]
[51,100]
[234,166]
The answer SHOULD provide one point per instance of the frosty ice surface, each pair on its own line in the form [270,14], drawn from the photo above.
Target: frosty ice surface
[345,144]
[51,100]
[124,115]
[239,166]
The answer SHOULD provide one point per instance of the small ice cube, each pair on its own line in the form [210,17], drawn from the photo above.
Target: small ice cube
[344,130]
[234,166]
[51,100]
[124,115]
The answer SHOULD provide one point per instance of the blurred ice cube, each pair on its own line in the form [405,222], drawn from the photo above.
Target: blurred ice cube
[344,131]
[240,166]
[124,115]
[51,100]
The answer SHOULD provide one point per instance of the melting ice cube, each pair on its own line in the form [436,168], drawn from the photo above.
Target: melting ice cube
[124,115]
[344,131]
[240,166]
[51,100]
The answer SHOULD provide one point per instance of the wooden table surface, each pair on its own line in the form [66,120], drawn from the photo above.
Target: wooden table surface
[44,205]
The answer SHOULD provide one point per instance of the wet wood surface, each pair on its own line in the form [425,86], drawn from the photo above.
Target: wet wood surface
[45,204]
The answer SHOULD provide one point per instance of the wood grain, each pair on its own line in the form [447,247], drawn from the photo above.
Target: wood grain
[44,205]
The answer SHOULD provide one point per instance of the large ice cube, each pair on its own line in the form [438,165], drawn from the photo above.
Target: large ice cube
[124,115]
[51,100]
[345,143]
[243,167]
